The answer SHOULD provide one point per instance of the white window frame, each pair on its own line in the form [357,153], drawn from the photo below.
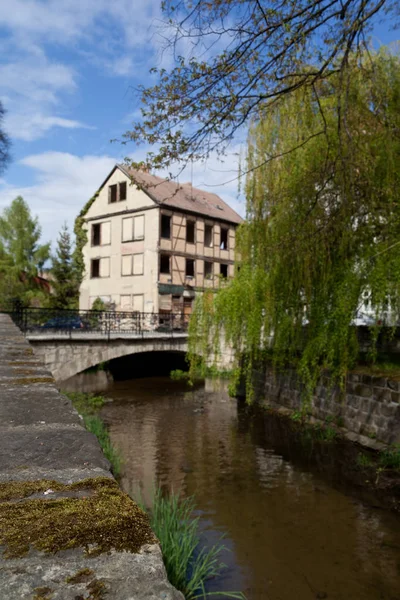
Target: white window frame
[131,269]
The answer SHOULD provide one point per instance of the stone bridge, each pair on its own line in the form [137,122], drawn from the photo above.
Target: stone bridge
[66,355]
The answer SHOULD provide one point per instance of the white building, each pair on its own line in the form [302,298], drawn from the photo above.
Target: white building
[152,243]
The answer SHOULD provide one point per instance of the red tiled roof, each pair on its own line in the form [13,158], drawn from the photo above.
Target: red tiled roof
[182,196]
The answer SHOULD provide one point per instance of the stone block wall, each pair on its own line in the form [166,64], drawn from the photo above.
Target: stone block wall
[67,529]
[368,406]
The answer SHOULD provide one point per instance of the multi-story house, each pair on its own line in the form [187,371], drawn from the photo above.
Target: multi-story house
[152,243]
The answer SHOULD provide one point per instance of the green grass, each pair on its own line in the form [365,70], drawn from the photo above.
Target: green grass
[390,457]
[364,461]
[87,406]
[179,375]
[95,425]
[188,565]
[384,366]
[325,433]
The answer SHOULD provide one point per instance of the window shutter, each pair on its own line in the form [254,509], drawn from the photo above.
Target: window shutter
[139,227]
[127,265]
[106,233]
[109,194]
[126,302]
[165,302]
[138,302]
[127,225]
[138,264]
[104,267]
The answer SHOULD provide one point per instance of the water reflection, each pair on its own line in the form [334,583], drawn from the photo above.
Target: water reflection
[293,529]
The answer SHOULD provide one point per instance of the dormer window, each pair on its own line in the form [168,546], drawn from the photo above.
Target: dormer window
[122,190]
[117,192]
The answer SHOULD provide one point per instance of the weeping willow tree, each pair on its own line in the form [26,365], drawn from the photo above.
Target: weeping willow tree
[322,229]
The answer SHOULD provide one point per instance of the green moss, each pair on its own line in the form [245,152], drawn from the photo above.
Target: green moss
[81,237]
[42,593]
[96,589]
[103,520]
[81,576]
[25,363]
[21,371]
[28,380]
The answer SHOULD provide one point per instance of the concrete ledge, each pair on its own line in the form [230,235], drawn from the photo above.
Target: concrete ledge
[67,531]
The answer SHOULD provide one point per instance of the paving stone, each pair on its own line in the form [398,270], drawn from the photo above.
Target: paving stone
[61,448]
[19,406]
[125,576]
[42,438]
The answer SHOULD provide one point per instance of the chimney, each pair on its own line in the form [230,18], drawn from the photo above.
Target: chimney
[143,167]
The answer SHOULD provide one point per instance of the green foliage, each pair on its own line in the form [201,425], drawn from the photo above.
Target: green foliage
[297,415]
[85,404]
[322,229]
[21,256]
[65,283]
[326,433]
[188,567]
[4,143]
[179,375]
[364,461]
[99,304]
[339,421]
[390,458]
[95,319]
[81,239]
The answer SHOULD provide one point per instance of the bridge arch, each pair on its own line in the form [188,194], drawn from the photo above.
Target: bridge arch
[65,357]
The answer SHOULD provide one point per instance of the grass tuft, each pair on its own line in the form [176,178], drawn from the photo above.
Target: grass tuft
[95,425]
[188,566]
[87,406]
[390,457]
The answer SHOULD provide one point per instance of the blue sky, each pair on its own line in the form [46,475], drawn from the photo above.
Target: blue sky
[67,70]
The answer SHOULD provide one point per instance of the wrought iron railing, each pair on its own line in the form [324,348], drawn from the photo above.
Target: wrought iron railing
[62,321]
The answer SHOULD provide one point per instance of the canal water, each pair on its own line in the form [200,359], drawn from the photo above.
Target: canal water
[296,523]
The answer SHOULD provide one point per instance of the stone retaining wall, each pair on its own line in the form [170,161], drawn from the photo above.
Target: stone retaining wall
[369,406]
[67,531]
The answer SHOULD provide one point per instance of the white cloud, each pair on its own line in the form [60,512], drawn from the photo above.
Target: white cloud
[113,36]
[31,127]
[63,184]
[30,88]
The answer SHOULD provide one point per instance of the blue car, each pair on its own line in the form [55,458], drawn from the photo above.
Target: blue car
[64,322]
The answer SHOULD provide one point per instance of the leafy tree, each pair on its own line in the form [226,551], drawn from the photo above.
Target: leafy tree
[99,304]
[21,256]
[4,143]
[323,227]
[244,56]
[65,283]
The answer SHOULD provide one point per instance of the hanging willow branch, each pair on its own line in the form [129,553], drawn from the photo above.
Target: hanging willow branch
[323,224]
